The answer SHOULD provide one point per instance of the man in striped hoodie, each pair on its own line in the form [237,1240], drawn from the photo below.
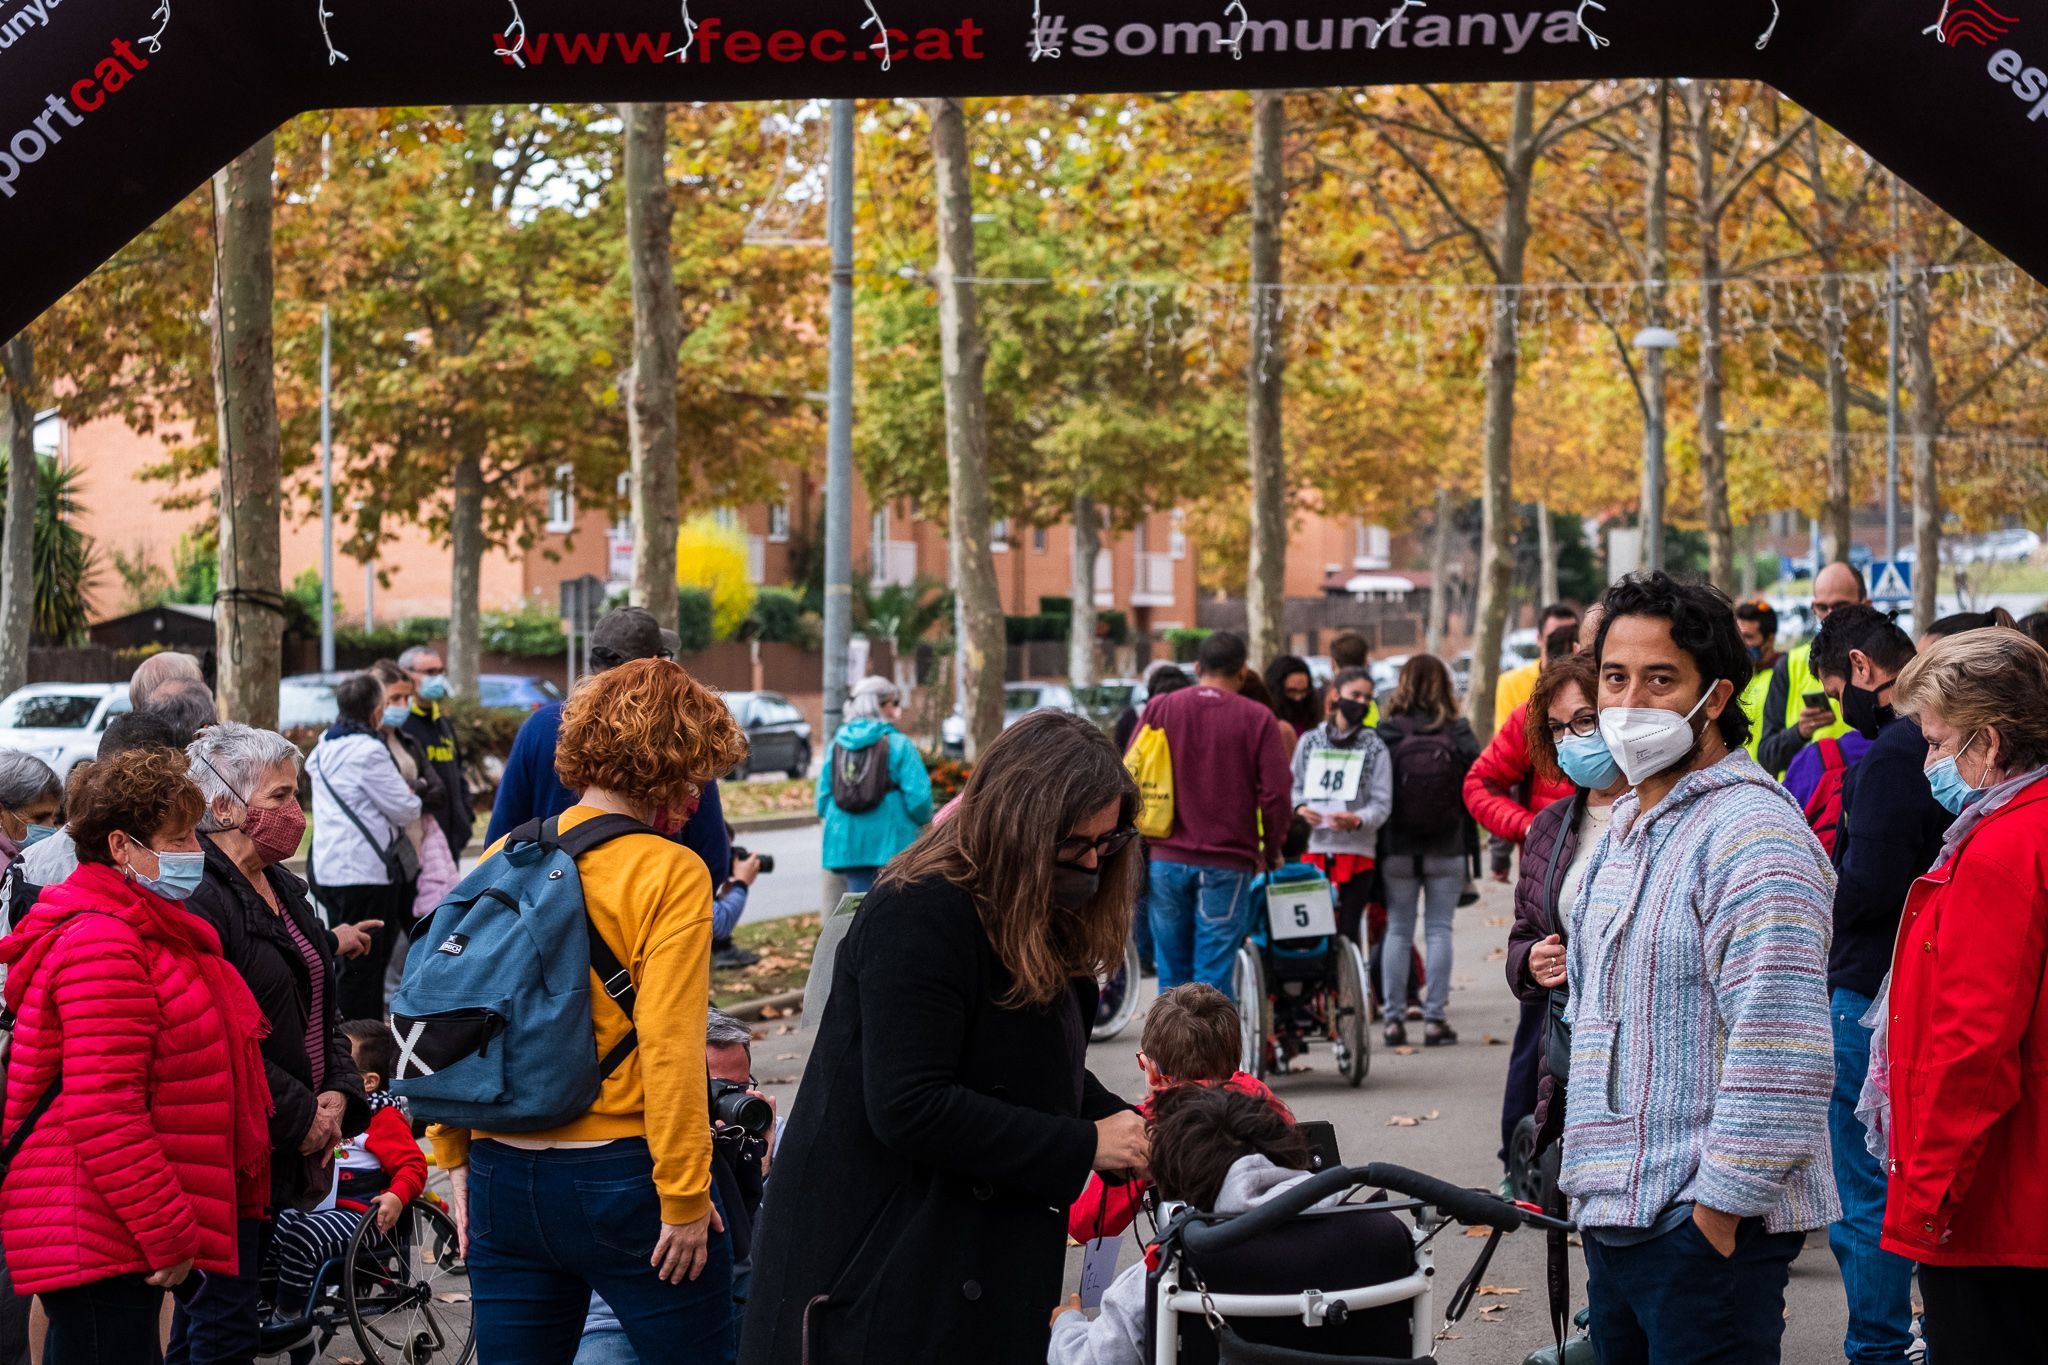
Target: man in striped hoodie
[1696,1137]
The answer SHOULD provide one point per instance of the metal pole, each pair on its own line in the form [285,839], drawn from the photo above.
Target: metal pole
[1891,395]
[839,425]
[1653,465]
[326,492]
[369,594]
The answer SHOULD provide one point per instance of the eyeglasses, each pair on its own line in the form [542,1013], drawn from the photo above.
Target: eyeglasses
[1585,726]
[1076,847]
[1821,610]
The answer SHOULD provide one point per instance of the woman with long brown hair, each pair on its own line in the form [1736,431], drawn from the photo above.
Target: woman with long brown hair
[948,1117]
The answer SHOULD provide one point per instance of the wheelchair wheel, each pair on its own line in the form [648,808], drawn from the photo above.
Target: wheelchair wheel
[407,1292]
[1254,1012]
[1349,1017]
[1119,998]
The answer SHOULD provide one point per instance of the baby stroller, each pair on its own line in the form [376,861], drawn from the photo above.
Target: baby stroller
[1299,979]
[1248,1289]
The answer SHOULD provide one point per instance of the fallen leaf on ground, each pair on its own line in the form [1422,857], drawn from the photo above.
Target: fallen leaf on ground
[1497,955]
[778,1080]
[1491,1041]
[1479,1232]
[1404,1121]
[1433,1114]
[1404,1051]
[785,1056]
[770,1012]
[1497,1289]
[786,1028]
[451,1298]
[1498,922]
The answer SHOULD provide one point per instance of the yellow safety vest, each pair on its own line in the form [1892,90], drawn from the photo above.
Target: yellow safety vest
[1800,679]
[1752,704]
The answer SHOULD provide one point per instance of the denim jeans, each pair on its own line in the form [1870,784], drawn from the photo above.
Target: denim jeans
[218,1325]
[1879,1284]
[859,880]
[547,1228]
[1437,888]
[106,1322]
[608,1346]
[1199,915]
[1675,1300]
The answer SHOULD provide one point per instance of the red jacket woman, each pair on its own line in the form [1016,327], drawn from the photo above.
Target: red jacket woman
[1506,769]
[157,1139]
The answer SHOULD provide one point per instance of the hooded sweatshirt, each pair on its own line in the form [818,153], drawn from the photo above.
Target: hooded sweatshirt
[1702,1050]
[158,1139]
[871,838]
[1114,1338]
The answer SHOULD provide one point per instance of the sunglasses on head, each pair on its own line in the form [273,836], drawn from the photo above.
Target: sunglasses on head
[1074,848]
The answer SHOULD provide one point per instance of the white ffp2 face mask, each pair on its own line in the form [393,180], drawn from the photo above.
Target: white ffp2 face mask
[1645,740]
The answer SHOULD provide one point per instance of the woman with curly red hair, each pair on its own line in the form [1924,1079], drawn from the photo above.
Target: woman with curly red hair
[135,1089]
[619,1200]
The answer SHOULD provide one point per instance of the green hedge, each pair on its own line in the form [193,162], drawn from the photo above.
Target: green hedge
[693,623]
[1185,641]
[779,616]
[1024,630]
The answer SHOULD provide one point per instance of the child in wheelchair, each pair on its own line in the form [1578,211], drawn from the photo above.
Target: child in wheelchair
[1213,1148]
[376,1174]
[1190,1039]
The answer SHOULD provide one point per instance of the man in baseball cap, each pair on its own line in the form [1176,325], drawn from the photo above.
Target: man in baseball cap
[530,790]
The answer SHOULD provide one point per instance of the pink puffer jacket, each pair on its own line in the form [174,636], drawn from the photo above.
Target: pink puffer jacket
[133,1168]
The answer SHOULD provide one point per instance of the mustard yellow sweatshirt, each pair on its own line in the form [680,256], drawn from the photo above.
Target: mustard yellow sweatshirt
[651,901]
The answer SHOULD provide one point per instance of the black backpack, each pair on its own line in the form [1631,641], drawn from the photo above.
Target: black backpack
[1429,783]
[860,777]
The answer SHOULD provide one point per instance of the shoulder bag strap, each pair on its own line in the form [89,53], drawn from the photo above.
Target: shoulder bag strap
[20,1135]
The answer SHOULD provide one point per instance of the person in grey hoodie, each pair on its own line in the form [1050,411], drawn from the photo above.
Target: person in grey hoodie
[1344,791]
[1214,1149]
[1696,1149]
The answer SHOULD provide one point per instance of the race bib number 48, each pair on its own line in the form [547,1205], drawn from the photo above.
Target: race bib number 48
[1333,775]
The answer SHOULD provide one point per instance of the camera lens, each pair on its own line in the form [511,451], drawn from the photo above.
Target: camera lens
[767,862]
[751,1113]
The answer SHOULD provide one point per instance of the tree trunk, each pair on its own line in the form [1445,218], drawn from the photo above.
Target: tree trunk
[963,354]
[1546,554]
[1087,546]
[249,614]
[1713,441]
[1924,421]
[1266,570]
[466,543]
[1656,262]
[1835,515]
[17,540]
[1503,355]
[1439,574]
[657,336]
[1747,573]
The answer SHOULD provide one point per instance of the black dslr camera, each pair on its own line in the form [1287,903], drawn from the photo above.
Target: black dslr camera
[767,859]
[744,1115]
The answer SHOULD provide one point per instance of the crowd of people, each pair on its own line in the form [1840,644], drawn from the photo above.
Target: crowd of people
[1780,939]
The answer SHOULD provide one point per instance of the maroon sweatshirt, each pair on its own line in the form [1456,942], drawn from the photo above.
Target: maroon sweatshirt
[1230,763]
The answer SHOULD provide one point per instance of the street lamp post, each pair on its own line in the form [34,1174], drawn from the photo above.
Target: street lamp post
[1653,342]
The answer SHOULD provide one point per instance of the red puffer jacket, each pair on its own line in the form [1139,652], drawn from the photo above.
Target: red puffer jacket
[144,1160]
[1969,1050]
[1505,766]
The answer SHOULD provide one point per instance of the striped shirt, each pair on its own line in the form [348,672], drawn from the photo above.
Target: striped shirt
[316,1009]
[1702,1051]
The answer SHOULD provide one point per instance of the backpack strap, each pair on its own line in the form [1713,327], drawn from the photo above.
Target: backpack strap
[611,973]
[1831,755]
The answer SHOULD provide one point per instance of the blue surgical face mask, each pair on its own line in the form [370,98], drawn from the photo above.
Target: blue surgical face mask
[36,834]
[435,688]
[1945,780]
[177,874]
[1756,654]
[1588,762]
[394,716]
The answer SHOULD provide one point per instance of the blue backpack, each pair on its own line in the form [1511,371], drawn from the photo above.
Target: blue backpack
[493,1019]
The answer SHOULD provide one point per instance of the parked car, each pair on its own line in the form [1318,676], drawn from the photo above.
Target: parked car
[60,723]
[1019,701]
[525,692]
[1386,674]
[778,736]
[306,701]
[1106,700]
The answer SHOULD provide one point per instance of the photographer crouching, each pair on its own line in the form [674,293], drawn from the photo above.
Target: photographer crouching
[731,903]
[743,1139]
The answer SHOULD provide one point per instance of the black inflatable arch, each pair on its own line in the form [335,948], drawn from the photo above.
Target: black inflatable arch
[111,110]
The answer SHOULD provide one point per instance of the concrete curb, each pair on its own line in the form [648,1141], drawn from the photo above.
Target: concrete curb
[768,822]
[751,1009]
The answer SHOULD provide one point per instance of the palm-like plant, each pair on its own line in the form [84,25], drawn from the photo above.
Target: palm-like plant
[65,561]
[902,614]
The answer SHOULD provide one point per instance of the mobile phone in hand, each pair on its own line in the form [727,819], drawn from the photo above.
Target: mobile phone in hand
[1819,701]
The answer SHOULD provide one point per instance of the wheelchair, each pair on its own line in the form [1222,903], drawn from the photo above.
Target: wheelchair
[1246,1289]
[1298,979]
[1118,1002]
[402,1295]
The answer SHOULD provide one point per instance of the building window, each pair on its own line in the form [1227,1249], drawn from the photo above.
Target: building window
[1176,538]
[562,501]
[48,435]
[1038,540]
[727,518]
[999,536]
[778,518]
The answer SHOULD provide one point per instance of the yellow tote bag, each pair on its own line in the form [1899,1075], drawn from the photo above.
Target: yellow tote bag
[1150,763]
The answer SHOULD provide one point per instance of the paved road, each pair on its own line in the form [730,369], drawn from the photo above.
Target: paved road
[1462,1087]
[795,887]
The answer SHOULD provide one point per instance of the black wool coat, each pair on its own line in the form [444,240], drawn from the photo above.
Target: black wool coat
[917,1207]
[259,948]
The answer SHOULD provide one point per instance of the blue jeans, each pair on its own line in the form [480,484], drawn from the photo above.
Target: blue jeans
[1198,919]
[548,1228]
[101,1323]
[219,1323]
[1437,889]
[607,1347]
[1675,1300]
[859,880]
[1879,1284]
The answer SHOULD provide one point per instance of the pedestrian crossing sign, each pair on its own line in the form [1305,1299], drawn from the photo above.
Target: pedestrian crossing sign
[1892,580]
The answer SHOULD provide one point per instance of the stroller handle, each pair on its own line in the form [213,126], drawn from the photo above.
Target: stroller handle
[1476,1208]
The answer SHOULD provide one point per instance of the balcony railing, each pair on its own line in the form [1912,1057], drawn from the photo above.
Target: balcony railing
[1152,585]
[895,563]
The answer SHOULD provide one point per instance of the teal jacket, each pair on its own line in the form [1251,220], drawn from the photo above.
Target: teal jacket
[873,837]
